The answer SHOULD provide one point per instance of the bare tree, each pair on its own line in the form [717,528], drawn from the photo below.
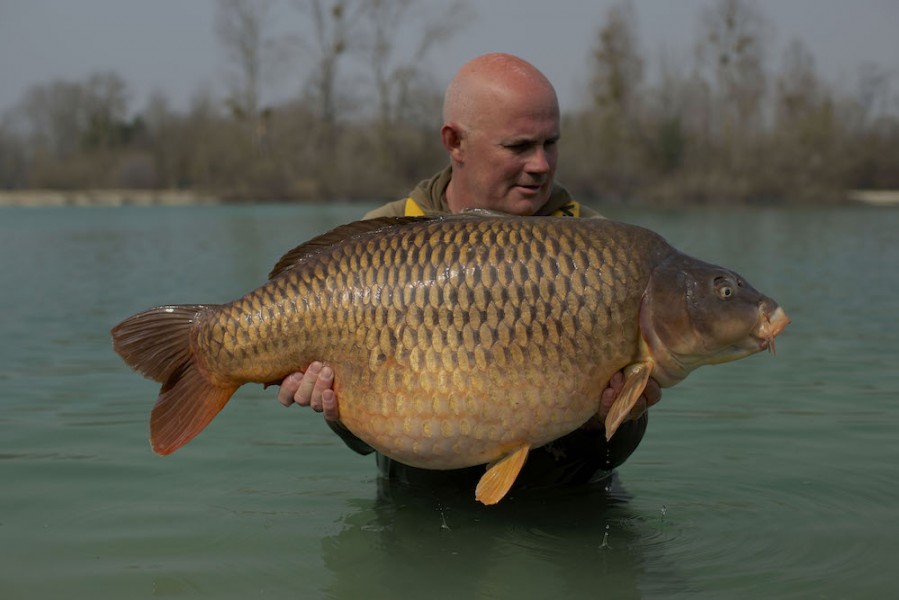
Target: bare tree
[734,36]
[803,153]
[334,35]
[613,128]
[71,129]
[382,43]
[241,26]
[106,105]
[398,37]
[13,162]
[873,93]
[54,118]
[396,74]
[617,63]
[332,38]
[798,87]
[671,107]
[65,116]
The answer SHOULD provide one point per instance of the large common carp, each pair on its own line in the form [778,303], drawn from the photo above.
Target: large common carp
[457,341]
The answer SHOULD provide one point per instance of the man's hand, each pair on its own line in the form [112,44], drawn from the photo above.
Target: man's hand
[651,395]
[313,389]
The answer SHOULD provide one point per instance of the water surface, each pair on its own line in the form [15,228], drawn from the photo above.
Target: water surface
[769,477]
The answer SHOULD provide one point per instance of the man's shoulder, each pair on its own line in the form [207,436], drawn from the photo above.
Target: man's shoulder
[397,208]
[562,204]
[589,213]
[426,198]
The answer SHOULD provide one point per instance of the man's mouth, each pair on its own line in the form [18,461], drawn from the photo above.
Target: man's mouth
[530,187]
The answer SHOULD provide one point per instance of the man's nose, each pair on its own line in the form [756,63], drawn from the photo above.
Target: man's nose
[538,161]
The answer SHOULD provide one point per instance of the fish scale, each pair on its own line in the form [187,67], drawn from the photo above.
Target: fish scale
[495,319]
[456,341]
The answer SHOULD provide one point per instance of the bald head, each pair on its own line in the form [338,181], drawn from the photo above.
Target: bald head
[500,128]
[491,81]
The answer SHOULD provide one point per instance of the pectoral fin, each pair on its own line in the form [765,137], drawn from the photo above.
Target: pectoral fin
[635,378]
[500,476]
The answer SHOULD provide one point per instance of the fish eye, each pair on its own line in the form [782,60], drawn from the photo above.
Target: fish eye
[724,287]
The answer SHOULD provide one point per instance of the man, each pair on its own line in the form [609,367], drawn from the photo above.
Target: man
[501,131]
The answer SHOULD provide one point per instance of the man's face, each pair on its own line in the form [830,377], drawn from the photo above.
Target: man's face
[509,156]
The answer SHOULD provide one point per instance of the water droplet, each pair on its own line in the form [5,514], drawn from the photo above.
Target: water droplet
[605,539]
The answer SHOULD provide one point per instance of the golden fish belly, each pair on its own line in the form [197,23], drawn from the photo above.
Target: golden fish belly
[452,341]
[471,421]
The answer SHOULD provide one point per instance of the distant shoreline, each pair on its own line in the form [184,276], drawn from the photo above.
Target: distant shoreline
[875,197]
[126,197]
[112,197]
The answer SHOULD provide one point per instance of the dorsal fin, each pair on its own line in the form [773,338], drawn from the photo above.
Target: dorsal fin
[484,212]
[338,234]
[366,227]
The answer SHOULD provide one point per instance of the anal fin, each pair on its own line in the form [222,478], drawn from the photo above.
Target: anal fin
[636,376]
[500,476]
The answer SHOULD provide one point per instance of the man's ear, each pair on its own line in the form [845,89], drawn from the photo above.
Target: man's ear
[451,136]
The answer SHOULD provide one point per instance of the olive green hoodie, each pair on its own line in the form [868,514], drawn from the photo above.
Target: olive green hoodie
[429,198]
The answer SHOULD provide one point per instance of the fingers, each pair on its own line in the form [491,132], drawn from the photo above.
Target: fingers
[312,394]
[610,394]
[617,382]
[305,391]
[289,387]
[329,405]
[606,400]
[651,395]
[312,389]
[638,409]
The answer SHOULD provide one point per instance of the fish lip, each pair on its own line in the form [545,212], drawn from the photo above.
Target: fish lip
[763,342]
[774,323]
[771,325]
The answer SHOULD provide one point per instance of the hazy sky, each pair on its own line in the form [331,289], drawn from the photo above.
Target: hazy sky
[170,45]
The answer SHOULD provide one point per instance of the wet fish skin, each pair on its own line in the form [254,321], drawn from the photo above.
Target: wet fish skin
[452,325]
[455,341]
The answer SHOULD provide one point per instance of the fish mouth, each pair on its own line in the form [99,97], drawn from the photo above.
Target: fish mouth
[770,327]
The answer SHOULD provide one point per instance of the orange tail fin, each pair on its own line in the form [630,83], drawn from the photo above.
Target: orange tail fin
[156,343]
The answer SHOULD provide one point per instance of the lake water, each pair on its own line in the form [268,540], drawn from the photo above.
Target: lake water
[775,476]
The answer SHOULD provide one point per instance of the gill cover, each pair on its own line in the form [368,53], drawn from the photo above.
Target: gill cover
[694,313]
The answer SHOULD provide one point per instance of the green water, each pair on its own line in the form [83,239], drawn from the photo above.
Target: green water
[776,476]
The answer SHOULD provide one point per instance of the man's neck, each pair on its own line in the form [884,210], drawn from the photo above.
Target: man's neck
[454,199]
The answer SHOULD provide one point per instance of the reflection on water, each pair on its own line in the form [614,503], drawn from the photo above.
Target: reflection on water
[772,477]
[535,544]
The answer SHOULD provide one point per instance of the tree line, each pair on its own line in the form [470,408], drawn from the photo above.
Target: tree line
[722,126]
